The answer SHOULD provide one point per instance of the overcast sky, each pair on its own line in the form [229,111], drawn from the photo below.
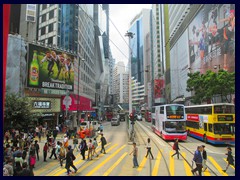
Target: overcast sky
[121,15]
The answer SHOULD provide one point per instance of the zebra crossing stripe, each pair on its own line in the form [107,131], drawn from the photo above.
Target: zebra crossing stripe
[115,164]
[217,166]
[157,163]
[186,166]
[105,161]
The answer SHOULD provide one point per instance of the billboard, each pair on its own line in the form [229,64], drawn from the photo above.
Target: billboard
[49,68]
[212,38]
[158,90]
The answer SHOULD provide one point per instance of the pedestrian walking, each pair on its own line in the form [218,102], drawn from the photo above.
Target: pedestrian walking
[55,133]
[69,160]
[230,159]
[65,141]
[83,147]
[198,161]
[75,143]
[176,148]
[103,143]
[61,154]
[204,156]
[26,171]
[32,156]
[135,154]
[94,147]
[45,150]
[90,150]
[53,146]
[149,148]
[37,149]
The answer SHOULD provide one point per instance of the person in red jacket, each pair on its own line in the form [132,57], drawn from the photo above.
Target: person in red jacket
[45,150]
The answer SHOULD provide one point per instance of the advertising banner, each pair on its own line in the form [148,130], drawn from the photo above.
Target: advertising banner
[49,68]
[212,38]
[158,90]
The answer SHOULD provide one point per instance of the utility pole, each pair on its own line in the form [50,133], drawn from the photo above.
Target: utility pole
[130,36]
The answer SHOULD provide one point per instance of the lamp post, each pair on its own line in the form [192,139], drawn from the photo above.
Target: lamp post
[79,59]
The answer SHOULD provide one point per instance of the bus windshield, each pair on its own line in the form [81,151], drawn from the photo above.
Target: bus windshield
[175,126]
[224,109]
[223,128]
[174,110]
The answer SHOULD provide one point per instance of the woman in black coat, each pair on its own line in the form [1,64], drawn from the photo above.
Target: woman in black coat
[229,158]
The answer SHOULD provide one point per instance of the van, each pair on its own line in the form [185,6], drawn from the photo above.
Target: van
[115,122]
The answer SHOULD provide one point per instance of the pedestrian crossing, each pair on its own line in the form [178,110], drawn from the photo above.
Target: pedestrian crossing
[117,156]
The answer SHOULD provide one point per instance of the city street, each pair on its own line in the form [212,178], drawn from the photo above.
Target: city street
[118,162]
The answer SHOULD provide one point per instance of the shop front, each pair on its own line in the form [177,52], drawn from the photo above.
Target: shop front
[48,109]
[75,109]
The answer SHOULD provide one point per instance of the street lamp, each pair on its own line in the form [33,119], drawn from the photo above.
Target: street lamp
[79,59]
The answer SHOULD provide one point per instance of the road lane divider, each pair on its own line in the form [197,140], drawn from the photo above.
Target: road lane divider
[115,164]
[105,161]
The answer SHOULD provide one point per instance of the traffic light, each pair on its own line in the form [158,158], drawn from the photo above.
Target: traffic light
[88,117]
[131,117]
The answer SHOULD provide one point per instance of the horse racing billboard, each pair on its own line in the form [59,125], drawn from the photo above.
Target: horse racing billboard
[50,68]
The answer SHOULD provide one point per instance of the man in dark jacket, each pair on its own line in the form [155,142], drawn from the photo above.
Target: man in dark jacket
[26,171]
[198,160]
[69,160]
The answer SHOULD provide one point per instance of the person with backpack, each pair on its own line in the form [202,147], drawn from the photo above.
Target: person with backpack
[69,160]
[103,143]
[94,147]
[198,160]
[149,148]
[176,148]
[61,154]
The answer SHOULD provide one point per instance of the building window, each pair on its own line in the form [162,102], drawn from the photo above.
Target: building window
[43,18]
[43,30]
[44,6]
[50,28]
[50,40]
[51,14]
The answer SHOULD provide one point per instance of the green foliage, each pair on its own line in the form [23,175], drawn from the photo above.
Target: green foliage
[17,112]
[206,86]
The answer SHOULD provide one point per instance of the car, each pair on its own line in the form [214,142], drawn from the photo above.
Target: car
[122,117]
[139,117]
[115,122]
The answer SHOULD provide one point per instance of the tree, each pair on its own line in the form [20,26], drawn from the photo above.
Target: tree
[207,86]
[17,112]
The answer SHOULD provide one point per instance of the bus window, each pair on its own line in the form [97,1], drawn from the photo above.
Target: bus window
[176,126]
[161,110]
[221,109]
[210,127]
[174,110]
[223,128]
[205,126]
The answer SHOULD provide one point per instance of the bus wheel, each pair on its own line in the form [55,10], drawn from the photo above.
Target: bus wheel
[205,138]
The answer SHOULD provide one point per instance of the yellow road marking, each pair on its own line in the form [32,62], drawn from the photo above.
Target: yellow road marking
[171,164]
[57,172]
[157,163]
[47,166]
[217,166]
[105,161]
[206,173]
[115,164]
[186,166]
[94,160]
[142,164]
[227,162]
